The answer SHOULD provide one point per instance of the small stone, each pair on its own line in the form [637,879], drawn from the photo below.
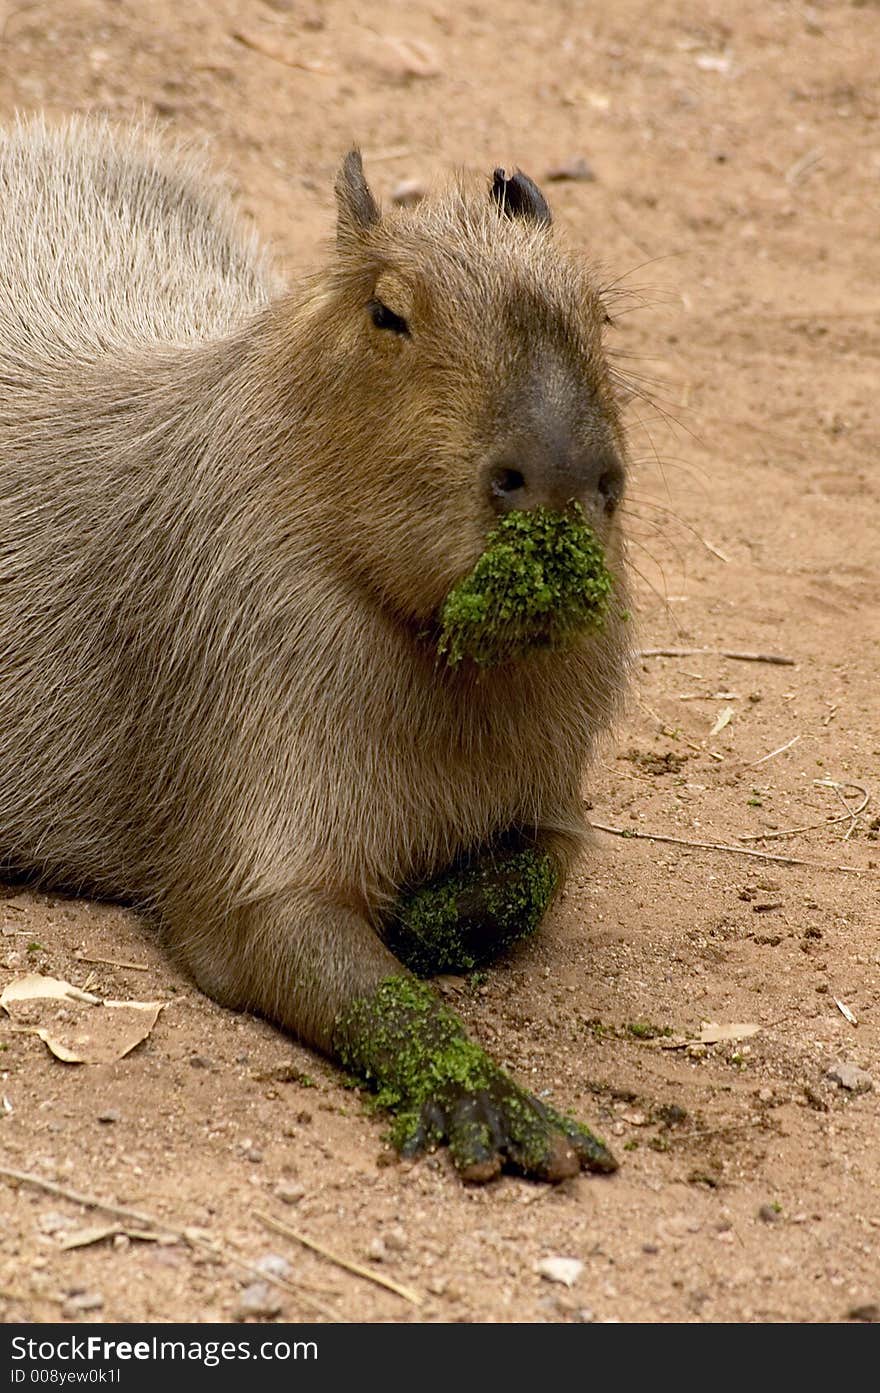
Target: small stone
[54,1222]
[574,171]
[80,1301]
[199,1061]
[849,1076]
[395,1240]
[869,1312]
[108,1115]
[274,1265]
[255,1155]
[404,59]
[814,1099]
[289,1193]
[634,1117]
[557,1269]
[257,1302]
[377,1251]
[769,1213]
[407,193]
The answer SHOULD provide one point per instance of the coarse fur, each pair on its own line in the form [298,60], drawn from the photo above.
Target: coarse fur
[229,515]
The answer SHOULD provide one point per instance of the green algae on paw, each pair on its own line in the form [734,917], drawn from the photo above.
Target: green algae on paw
[540,582]
[441,1087]
[410,1049]
[468,915]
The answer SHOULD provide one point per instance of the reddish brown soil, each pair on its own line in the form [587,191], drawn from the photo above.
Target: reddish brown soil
[736,196]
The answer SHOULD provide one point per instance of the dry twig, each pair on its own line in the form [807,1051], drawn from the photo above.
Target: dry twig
[851,813]
[186,1235]
[773,753]
[776,658]
[113,962]
[269,50]
[406,1292]
[722,846]
[89,1201]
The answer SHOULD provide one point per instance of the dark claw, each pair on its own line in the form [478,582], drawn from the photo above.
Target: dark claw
[592,1154]
[503,1127]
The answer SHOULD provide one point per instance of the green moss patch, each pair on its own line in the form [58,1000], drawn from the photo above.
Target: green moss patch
[540,582]
[411,1049]
[468,915]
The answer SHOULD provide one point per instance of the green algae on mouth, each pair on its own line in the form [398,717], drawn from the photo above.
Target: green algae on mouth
[540,582]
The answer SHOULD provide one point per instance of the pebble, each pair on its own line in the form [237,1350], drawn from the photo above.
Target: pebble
[377,1252]
[849,1076]
[53,1222]
[408,192]
[274,1265]
[257,1300]
[289,1193]
[108,1115]
[80,1301]
[578,170]
[404,59]
[558,1269]
[769,1213]
[869,1312]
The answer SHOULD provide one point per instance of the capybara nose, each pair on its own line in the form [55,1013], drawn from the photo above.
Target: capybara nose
[533,476]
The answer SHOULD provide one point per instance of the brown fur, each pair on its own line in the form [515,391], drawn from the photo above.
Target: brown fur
[229,513]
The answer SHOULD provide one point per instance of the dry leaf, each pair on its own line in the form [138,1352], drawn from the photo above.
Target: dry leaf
[564,1270]
[83,1238]
[37,988]
[846,1012]
[725,716]
[92,1031]
[712,1034]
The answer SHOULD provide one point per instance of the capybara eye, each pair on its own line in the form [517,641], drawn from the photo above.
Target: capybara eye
[384,318]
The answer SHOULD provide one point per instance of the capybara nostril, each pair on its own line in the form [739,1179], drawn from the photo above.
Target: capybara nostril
[508,488]
[610,487]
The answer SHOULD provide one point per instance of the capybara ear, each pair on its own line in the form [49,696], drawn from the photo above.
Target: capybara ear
[520,197]
[358,209]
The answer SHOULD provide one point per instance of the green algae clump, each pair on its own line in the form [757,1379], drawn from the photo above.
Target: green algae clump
[540,582]
[410,1049]
[468,915]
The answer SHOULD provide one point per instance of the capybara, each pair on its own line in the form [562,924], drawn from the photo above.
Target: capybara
[231,513]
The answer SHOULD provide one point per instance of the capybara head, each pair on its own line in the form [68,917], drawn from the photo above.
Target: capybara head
[464,377]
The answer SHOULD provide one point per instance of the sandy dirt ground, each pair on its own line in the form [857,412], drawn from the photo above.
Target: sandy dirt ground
[736,155]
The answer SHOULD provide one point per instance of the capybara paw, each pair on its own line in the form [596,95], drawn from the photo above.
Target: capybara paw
[502,1127]
[443,1089]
